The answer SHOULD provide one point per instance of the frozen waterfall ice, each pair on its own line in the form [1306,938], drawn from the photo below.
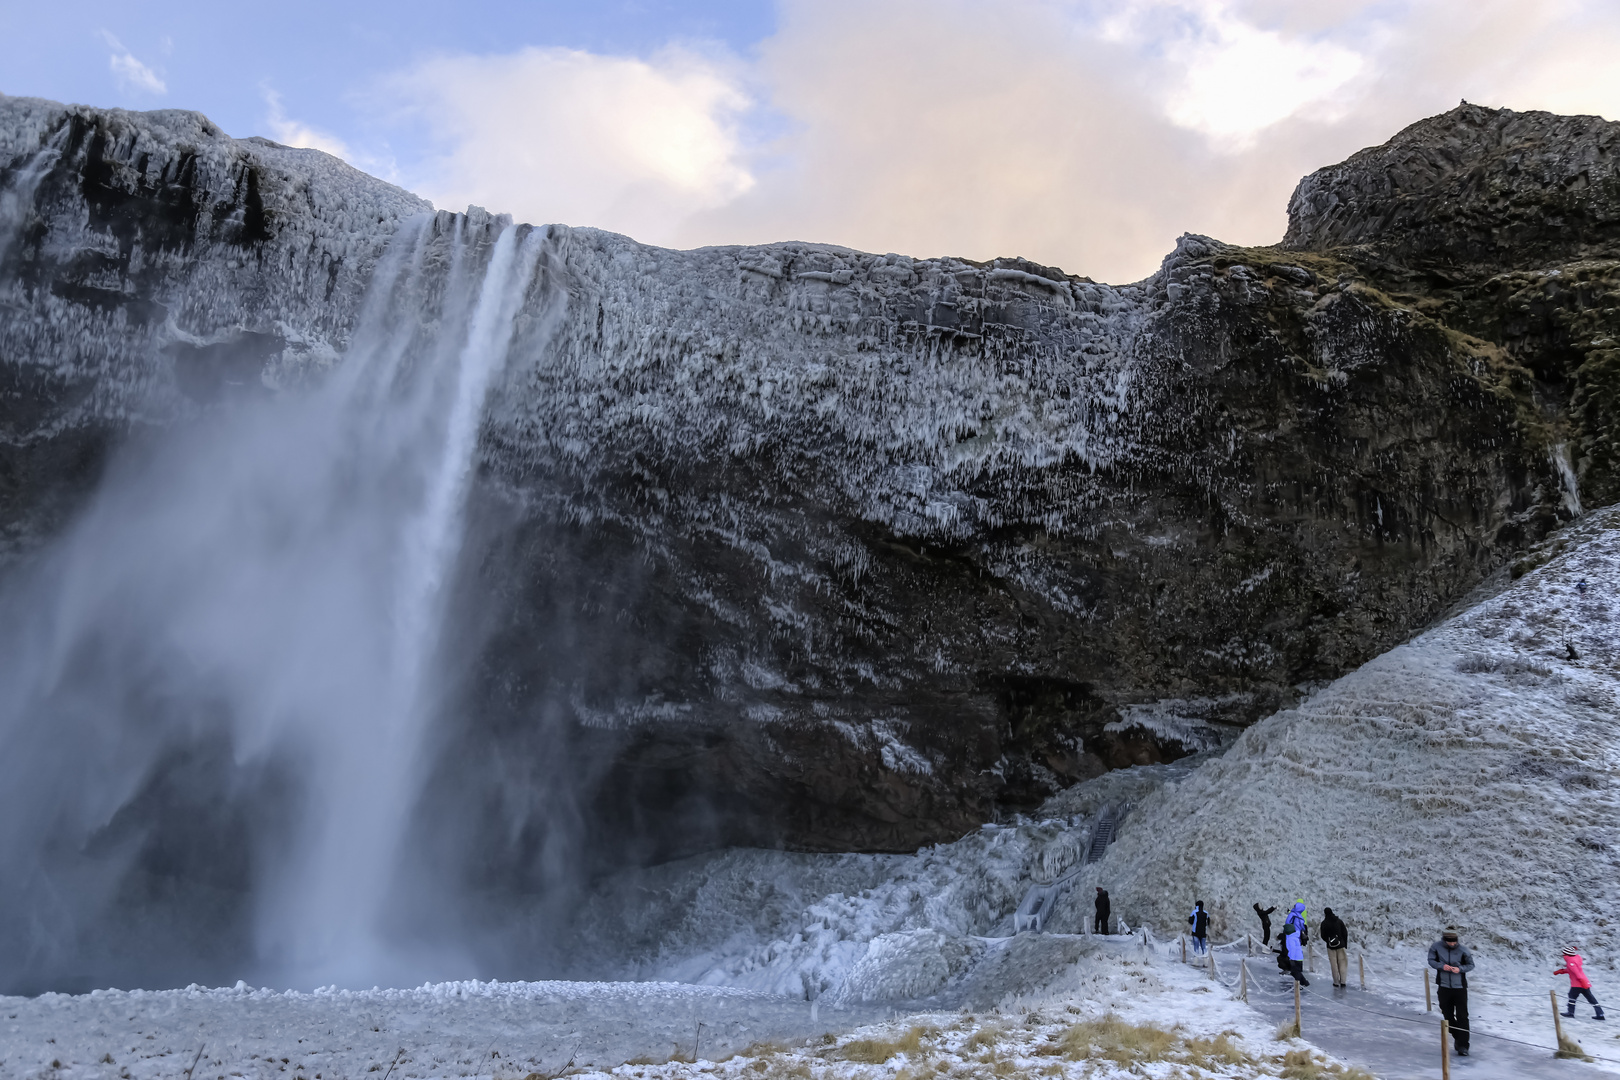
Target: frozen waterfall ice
[253,604]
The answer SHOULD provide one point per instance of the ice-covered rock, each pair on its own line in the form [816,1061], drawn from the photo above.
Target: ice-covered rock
[812,546]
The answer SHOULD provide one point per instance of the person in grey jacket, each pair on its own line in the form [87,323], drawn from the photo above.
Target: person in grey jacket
[1452,963]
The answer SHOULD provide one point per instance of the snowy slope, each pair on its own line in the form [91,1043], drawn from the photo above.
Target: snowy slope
[1467,777]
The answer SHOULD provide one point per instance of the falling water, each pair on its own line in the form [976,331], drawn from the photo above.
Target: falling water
[254,604]
[17,196]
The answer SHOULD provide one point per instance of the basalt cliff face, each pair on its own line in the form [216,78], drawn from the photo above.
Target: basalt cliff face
[799,545]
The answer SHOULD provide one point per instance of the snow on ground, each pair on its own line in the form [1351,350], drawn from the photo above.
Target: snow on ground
[439,1030]
[1075,1019]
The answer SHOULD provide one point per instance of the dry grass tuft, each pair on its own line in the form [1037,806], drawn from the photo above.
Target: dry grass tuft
[1305,1065]
[765,1048]
[1569,1048]
[1113,1039]
[877,1051]
[1213,1053]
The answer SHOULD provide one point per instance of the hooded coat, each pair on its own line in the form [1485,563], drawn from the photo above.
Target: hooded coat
[1294,932]
[1102,911]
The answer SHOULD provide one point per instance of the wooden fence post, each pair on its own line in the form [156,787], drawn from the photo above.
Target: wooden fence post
[1445,1050]
[1183,948]
[1558,1026]
[1299,1028]
[1428,1002]
[1361,965]
[1243,980]
[1212,972]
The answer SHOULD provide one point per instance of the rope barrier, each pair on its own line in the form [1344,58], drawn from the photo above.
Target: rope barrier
[1374,978]
[1471,1031]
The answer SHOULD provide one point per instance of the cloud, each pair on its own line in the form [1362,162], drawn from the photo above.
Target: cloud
[132,75]
[559,135]
[290,132]
[1086,134]
[1230,78]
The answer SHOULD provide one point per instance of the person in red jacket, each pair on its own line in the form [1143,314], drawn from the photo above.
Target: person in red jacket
[1579,984]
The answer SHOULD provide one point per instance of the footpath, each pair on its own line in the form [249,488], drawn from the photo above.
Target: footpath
[1387,1030]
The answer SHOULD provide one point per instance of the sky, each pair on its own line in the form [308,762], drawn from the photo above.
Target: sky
[1082,134]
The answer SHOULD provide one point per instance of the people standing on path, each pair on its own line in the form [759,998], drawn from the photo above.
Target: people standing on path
[1579,985]
[1101,924]
[1200,928]
[1265,922]
[1293,935]
[1336,936]
[1452,962]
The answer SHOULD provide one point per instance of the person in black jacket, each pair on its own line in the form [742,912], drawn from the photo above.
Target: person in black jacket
[1336,937]
[1200,928]
[1101,925]
[1265,923]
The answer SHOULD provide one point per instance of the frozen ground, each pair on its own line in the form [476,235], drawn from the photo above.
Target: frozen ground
[512,1030]
[443,1030]
[1095,1008]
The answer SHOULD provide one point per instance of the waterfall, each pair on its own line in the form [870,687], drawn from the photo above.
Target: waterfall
[17,195]
[254,602]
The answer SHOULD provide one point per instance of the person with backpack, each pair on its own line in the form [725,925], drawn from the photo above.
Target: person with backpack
[1200,928]
[1579,985]
[1101,924]
[1293,935]
[1452,962]
[1265,922]
[1336,936]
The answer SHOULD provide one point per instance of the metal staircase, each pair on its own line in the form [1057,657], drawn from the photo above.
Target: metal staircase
[1037,905]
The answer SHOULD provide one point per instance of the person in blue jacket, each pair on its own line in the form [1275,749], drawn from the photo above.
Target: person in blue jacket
[1294,943]
[1200,928]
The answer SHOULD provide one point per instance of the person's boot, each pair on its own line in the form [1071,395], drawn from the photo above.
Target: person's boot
[1597,1012]
[1570,1012]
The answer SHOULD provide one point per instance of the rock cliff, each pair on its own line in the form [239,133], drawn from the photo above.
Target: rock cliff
[796,544]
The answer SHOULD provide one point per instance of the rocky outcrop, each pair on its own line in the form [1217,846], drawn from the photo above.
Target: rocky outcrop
[796,544]
[149,265]
[1503,226]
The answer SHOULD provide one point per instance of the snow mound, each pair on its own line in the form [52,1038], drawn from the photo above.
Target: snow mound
[1466,778]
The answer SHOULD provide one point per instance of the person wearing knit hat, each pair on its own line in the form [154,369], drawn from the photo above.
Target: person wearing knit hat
[1579,985]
